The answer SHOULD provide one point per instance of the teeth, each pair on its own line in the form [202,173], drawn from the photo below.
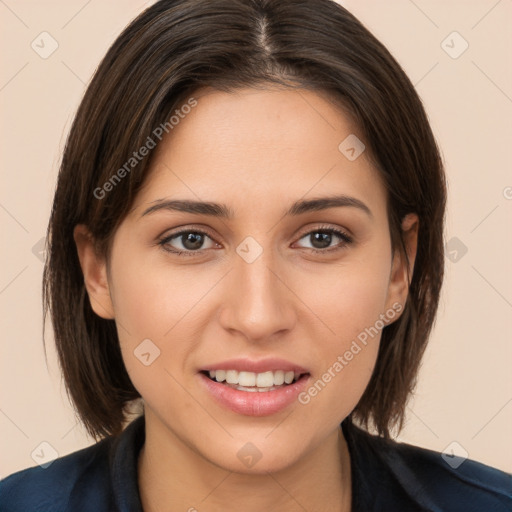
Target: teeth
[231,376]
[279,377]
[218,375]
[263,380]
[288,377]
[248,379]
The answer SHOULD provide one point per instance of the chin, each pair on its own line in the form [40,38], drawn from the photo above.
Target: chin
[258,457]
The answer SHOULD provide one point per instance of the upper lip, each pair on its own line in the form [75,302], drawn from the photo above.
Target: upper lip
[261,366]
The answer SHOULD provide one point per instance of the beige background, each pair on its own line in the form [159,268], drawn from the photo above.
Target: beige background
[465,387]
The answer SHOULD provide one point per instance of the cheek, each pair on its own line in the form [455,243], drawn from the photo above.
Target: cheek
[161,312]
[151,296]
[146,307]
[351,302]
[349,296]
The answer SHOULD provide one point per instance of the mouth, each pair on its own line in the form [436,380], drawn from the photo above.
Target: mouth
[254,389]
[253,382]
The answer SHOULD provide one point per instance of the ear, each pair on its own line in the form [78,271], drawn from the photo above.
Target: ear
[401,272]
[94,268]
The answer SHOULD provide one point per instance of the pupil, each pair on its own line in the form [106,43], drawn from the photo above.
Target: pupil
[192,241]
[323,238]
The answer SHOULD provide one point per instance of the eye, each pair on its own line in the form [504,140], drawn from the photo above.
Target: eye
[322,238]
[191,242]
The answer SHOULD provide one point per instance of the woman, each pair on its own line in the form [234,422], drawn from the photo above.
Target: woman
[247,234]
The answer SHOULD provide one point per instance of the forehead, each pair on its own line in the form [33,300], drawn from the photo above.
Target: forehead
[260,147]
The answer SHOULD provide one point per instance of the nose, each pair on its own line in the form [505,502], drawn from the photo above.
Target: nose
[258,303]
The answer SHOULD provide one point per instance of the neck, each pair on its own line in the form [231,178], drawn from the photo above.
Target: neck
[173,476]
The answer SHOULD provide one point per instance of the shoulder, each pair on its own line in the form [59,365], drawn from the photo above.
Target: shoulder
[54,487]
[426,479]
[448,481]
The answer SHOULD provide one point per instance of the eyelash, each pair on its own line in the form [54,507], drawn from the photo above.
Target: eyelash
[346,240]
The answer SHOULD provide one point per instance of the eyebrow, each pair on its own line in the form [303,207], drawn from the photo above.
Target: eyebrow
[223,211]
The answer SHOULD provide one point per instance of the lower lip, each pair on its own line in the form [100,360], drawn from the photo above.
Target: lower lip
[257,403]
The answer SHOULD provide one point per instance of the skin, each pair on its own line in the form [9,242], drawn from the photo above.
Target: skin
[257,151]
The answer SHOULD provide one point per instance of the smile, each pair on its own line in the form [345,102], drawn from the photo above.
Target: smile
[255,382]
[254,400]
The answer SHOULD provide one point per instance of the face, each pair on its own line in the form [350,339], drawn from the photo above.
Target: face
[278,285]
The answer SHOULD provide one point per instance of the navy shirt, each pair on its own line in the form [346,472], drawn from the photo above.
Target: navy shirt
[387,476]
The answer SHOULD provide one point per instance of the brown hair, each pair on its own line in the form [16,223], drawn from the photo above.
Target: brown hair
[172,49]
